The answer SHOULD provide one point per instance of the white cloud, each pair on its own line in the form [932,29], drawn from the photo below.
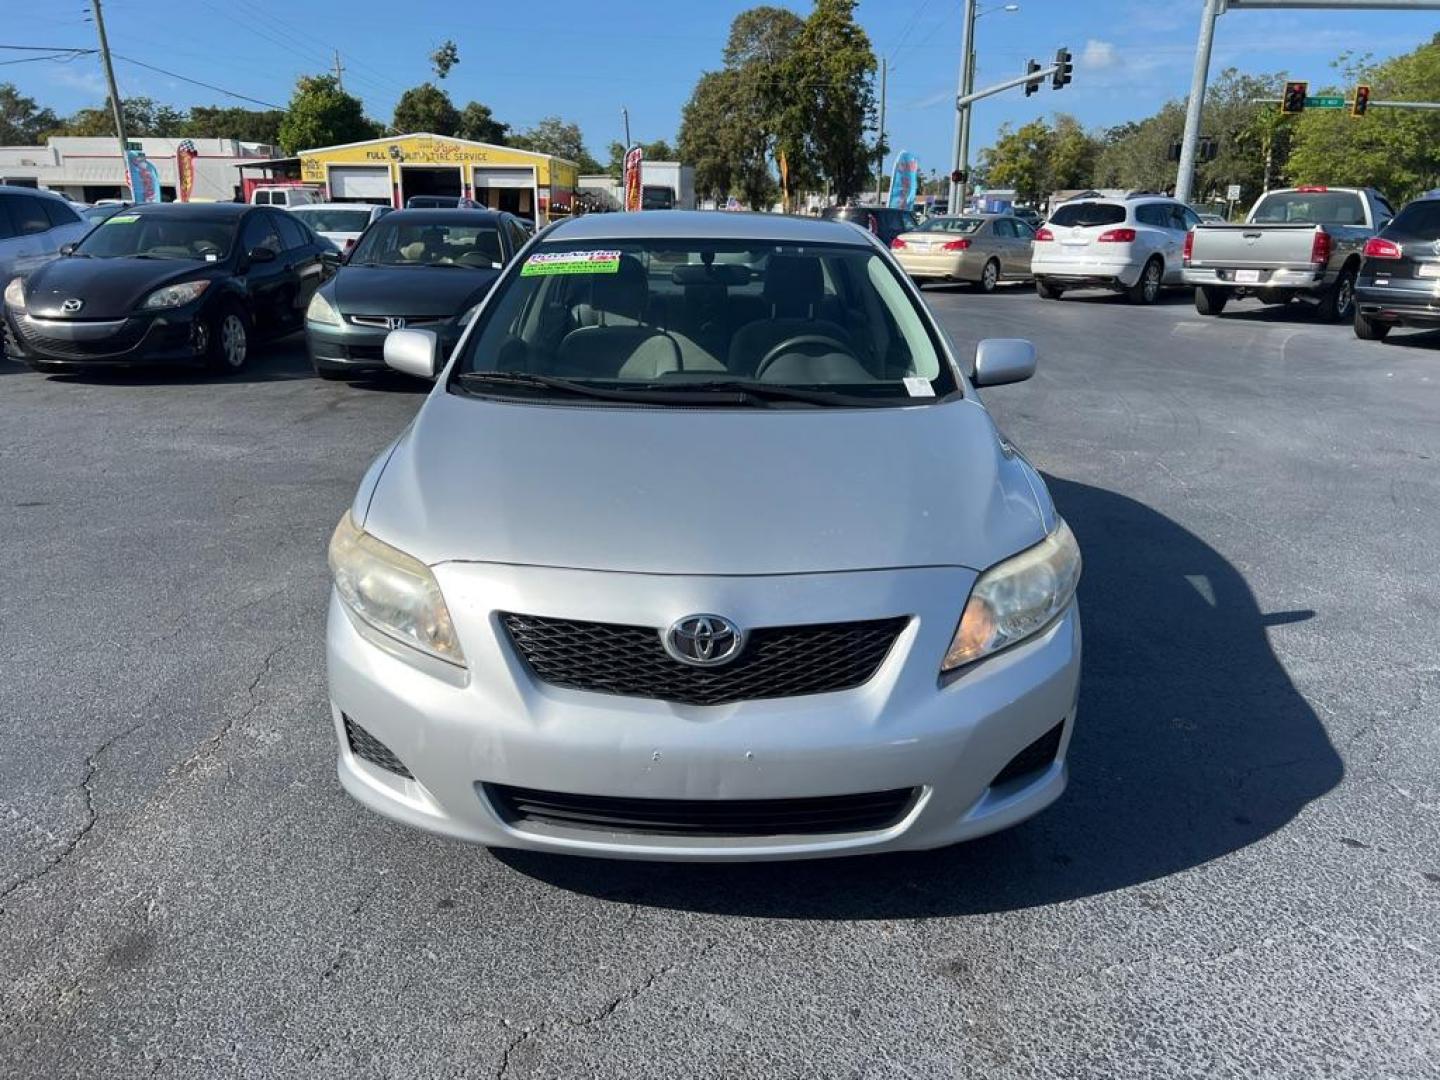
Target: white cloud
[1098,55]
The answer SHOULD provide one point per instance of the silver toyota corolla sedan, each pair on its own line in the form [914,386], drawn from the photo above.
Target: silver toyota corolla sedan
[704,547]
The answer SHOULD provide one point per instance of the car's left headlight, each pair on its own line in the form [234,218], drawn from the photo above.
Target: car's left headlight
[174,295]
[393,592]
[321,310]
[15,293]
[1017,598]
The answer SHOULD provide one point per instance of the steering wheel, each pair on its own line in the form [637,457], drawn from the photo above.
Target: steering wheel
[796,342]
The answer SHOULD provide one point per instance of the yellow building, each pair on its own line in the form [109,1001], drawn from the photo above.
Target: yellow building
[392,171]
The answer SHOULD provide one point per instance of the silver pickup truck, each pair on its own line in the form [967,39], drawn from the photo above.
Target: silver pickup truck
[1303,241]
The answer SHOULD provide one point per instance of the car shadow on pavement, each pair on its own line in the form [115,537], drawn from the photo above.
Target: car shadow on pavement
[1191,743]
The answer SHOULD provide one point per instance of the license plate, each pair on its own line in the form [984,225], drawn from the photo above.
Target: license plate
[1428,270]
[1247,277]
[921,247]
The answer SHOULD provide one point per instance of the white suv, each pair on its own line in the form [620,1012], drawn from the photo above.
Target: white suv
[1132,245]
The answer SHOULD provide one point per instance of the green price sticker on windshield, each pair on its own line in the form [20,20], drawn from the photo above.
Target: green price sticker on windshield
[120,219]
[571,262]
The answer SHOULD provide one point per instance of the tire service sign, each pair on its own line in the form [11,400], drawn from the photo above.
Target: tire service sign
[633,159]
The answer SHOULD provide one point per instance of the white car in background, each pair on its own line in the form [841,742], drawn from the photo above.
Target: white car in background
[1133,245]
[34,226]
[340,223]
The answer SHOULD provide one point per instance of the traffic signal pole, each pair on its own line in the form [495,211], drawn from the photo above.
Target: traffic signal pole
[962,87]
[1185,178]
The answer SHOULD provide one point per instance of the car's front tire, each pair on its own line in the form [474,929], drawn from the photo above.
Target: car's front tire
[226,345]
[1368,329]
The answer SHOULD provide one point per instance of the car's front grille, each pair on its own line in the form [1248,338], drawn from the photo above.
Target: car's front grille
[866,812]
[777,661]
[368,748]
[34,340]
[383,321]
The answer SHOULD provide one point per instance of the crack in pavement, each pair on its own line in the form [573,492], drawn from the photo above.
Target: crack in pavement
[605,1012]
[210,745]
[87,794]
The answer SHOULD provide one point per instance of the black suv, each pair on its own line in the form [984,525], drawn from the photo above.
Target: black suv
[886,222]
[1400,277]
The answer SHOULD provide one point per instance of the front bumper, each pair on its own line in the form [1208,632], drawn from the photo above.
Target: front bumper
[160,338]
[1307,280]
[1404,306]
[352,347]
[1081,271]
[497,724]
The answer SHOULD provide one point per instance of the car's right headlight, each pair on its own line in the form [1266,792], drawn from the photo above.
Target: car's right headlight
[393,592]
[322,311]
[15,293]
[1017,598]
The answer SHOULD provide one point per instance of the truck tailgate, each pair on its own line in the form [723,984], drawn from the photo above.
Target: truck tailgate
[1259,246]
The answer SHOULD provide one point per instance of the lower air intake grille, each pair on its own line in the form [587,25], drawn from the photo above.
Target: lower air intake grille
[368,748]
[1034,758]
[703,817]
[777,661]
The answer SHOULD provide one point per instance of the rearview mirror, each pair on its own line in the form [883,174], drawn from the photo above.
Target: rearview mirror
[1003,360]
[413,352]
[260,255]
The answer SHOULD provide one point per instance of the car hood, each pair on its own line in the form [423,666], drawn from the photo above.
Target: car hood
[410,290]
[689,491]
[107,288]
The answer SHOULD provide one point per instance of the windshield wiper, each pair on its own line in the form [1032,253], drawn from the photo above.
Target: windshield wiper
[763,393]
[505,380]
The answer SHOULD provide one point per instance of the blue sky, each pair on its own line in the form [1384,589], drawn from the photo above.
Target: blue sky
[584,60]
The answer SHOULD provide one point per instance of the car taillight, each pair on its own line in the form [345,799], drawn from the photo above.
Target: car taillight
[1044,234]
[955,245]
[1310,188]
[1320,248]
[1376,248]
[1116,236]
[896,244]
[1189,248]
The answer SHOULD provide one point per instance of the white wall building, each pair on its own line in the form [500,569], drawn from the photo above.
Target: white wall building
[87,169]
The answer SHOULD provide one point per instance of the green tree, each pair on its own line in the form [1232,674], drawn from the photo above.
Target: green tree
[444,58]
[1020,159]
[426,108]
[1391,149]
[552,135]
[477,122]
[721,137]
[221,122]
[22,121]
[659,150]
[143,117]
[1071,157]
[321,114]
[759,49]
[830,75]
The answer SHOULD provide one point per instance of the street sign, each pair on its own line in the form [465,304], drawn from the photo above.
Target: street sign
[1325,102]
[1232,193]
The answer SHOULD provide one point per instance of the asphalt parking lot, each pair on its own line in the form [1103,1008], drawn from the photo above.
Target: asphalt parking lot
[1243,879]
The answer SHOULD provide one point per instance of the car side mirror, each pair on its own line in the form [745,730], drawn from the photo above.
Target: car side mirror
[67,249]
[260,255]
[331,260]
[413,352]
[1003,360]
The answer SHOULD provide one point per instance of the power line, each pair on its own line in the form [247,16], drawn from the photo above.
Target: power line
[197,82]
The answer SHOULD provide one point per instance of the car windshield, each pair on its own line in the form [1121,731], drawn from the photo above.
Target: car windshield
[430,243]
[1310,208]
[952,224]
[126,234]
[1420,220]
[329,219]
[740,322]
[1087,214]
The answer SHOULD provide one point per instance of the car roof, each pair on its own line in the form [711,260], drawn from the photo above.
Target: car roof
[702,225]
[195,210]
[334,206]
[21,189]
[443,215]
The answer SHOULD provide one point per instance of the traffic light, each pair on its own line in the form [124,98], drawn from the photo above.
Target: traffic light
[1205,149]
[1294,99]
[1362,100]
[958,176]
[1030,68]
[1064,68]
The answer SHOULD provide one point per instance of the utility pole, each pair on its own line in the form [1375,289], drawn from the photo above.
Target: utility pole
[339,73]
[962,115]
[116,110]
[965,131]
[880,142]
[625,115]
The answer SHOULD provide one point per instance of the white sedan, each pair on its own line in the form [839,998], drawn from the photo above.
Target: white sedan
[340,223]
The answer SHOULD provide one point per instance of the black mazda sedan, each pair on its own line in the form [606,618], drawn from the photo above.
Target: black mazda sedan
[195,283]
[422,269]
